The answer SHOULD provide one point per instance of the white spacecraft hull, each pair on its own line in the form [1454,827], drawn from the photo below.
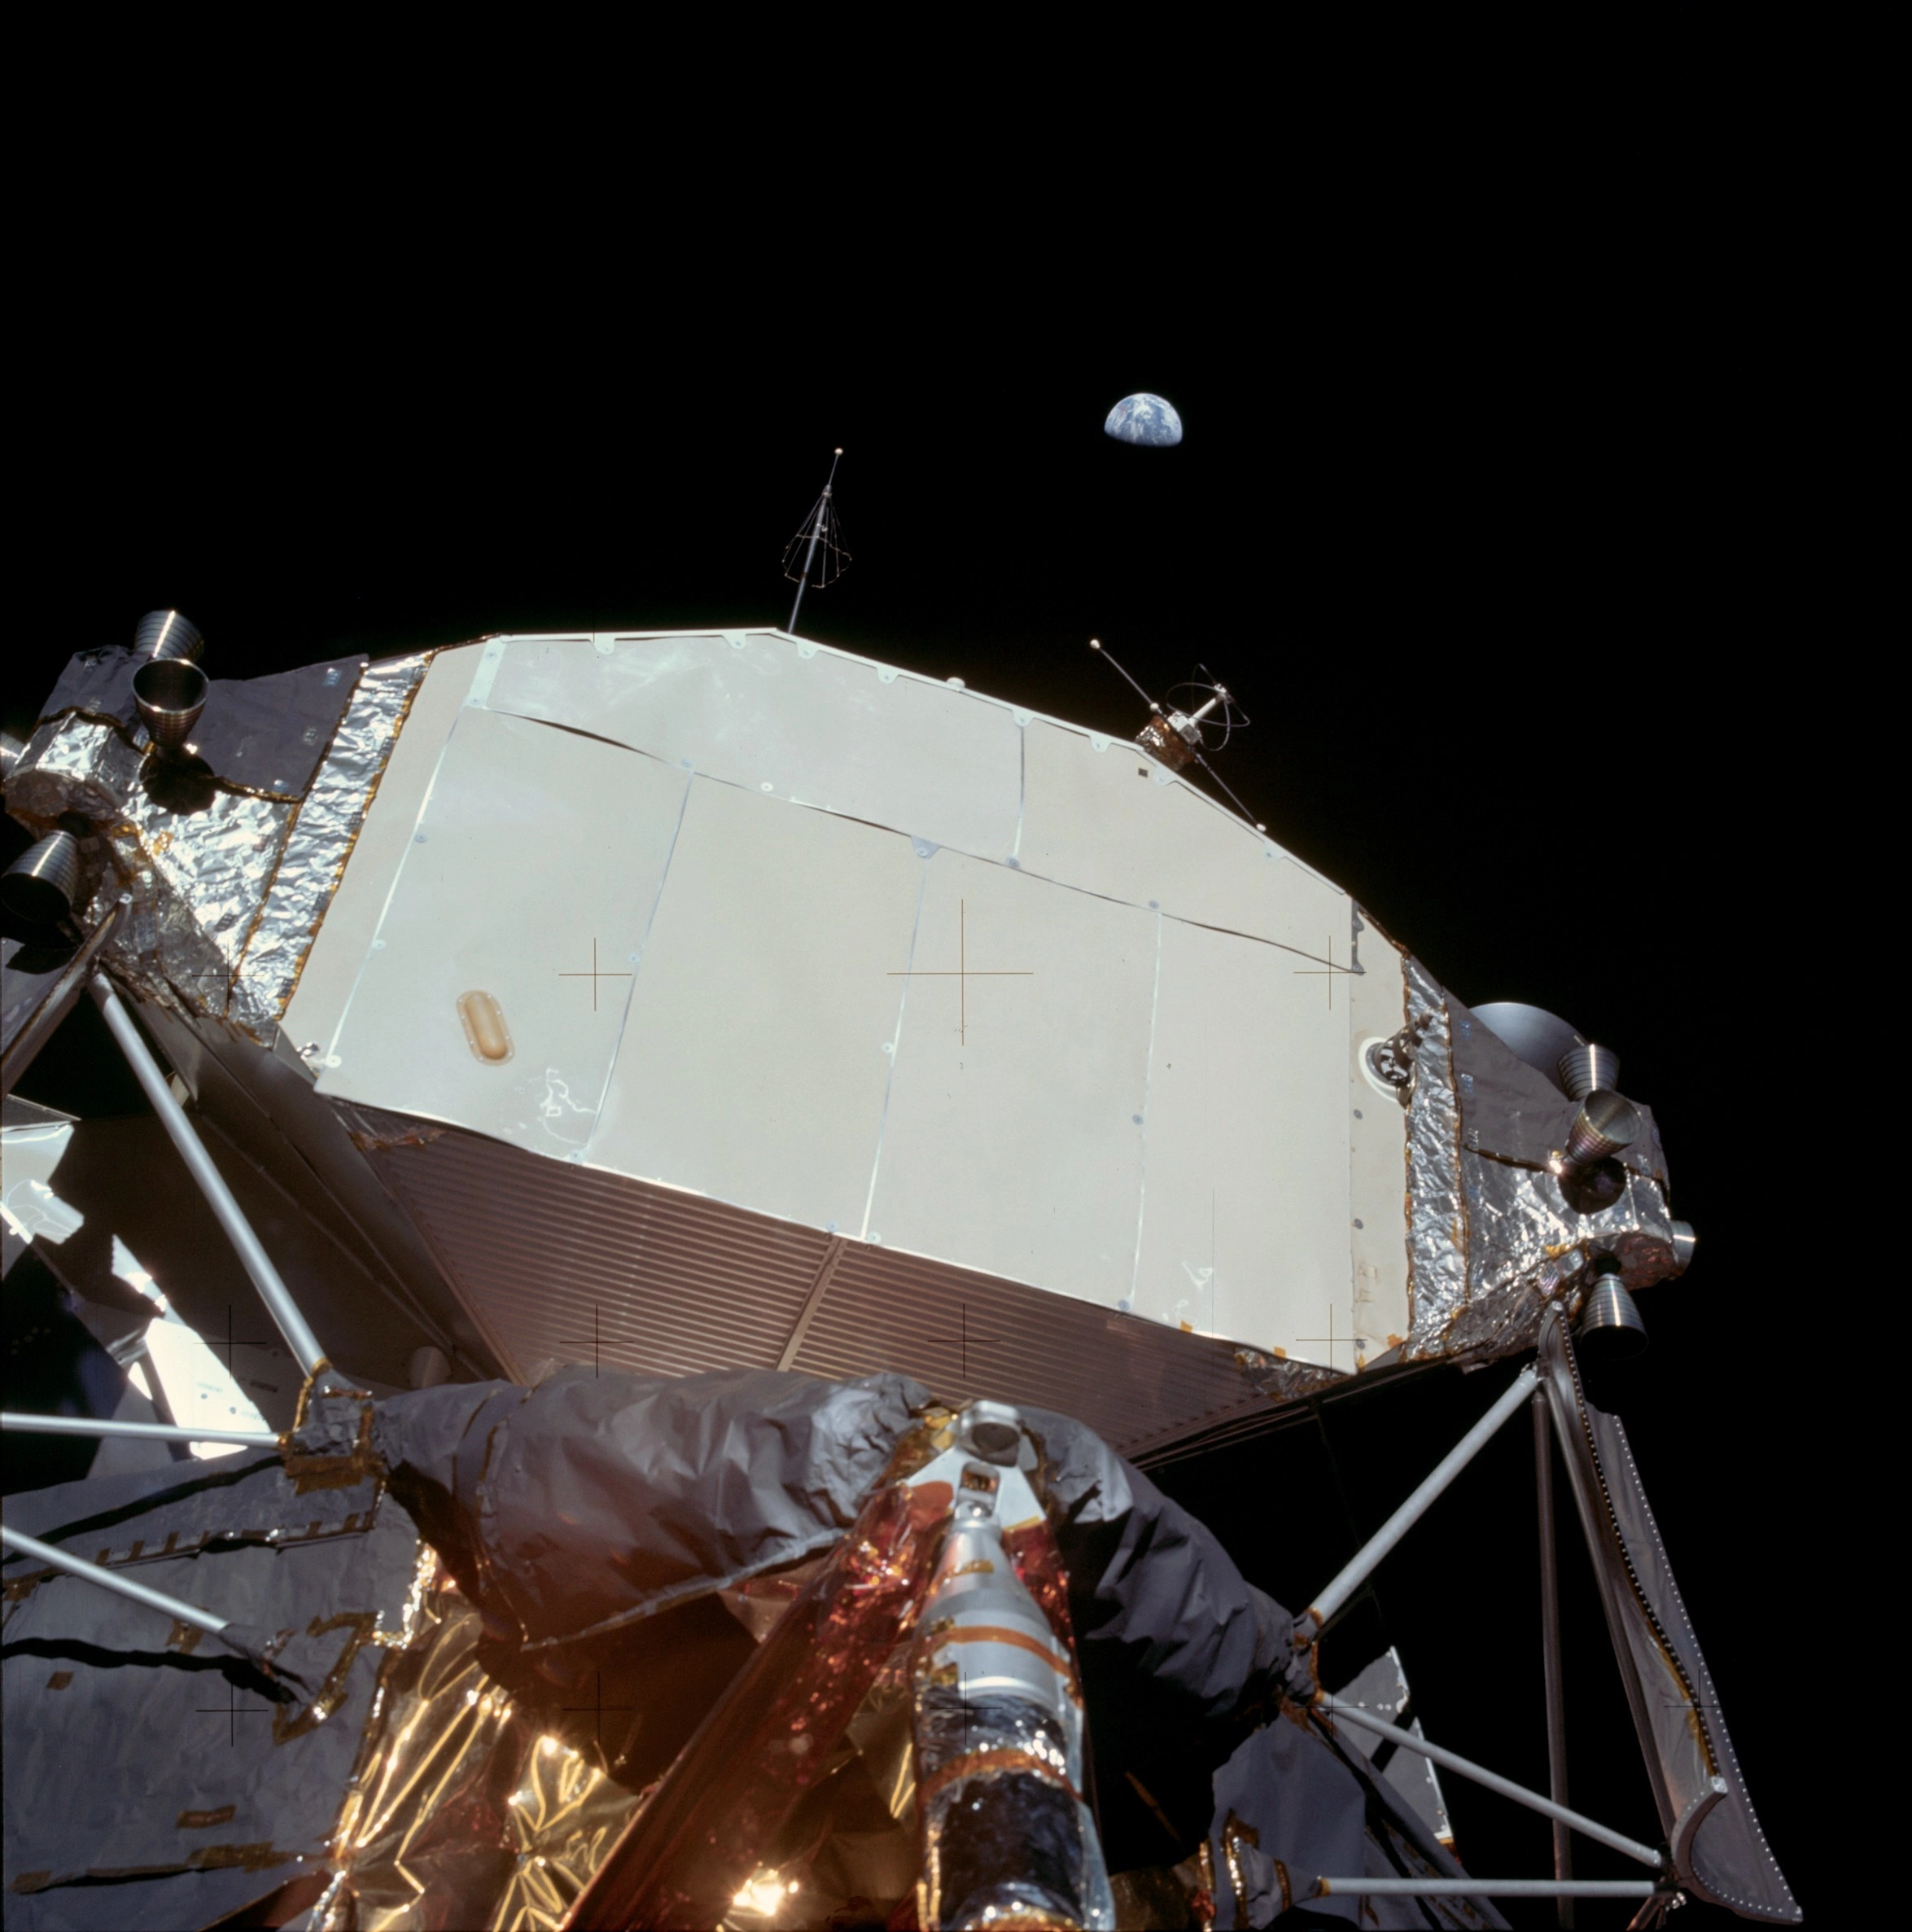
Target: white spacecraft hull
[678,1001]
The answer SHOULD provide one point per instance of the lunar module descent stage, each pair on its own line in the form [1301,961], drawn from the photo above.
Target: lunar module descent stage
[761,1135]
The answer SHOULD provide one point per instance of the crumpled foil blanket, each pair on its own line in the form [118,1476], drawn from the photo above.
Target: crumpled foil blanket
[225,885]
[1493,1243]
[463,1811]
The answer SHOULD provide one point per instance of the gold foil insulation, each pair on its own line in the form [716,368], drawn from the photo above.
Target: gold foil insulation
[702,1841]
[463,1811]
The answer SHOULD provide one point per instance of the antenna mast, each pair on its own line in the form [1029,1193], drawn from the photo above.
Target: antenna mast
[1174,737]
[815,530]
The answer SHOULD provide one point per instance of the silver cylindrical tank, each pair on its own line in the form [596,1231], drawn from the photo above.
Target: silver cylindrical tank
[1007,1836]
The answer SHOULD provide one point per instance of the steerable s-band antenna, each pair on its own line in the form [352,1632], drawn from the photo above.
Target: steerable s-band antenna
[1174,734]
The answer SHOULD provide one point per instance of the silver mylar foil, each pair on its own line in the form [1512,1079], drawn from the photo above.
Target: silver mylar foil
[197,883]
[1492,1241]
[225,895]
[1437,1239]
[319,838]
[1285,1380]
[72,763]
[1529,1246]
[193,880]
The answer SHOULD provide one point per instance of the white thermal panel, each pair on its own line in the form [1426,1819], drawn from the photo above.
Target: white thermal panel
[1111,821]
[1011,1142]
[351,918]
[533,868]
[752,1066]
[1245,1226]
[790,719]
[1377,1152]
[882,957]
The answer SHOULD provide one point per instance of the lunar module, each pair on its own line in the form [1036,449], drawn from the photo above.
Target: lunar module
[744,1148]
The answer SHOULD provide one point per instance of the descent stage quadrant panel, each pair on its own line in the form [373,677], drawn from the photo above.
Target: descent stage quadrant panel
[792,721]
[758,1054]
[530,878]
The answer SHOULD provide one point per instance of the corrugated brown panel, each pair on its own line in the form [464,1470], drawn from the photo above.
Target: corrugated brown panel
[556,1260]
[968,1335]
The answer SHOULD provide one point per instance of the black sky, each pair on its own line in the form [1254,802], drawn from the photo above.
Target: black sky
[1471,513]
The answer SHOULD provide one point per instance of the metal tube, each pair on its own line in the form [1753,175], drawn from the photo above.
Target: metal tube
[273,1291]
[108,1579]
[804,581]
[1487,1888]
[1549,1629]
[1466,1768]
[158,1432]
[1377,1546]
[816,530]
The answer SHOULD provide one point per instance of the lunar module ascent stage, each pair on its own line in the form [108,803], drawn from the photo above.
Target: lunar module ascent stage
[740,1141]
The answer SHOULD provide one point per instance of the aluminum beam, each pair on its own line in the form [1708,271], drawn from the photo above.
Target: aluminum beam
[1336,1596]
[272,1291]
[158,1432]
[1492,1780]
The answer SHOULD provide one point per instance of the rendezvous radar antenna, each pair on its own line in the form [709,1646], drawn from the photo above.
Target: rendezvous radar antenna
[823,527]
[1173,734]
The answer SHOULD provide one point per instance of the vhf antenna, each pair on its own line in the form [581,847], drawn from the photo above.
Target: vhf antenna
[816,529]
[1174,736]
